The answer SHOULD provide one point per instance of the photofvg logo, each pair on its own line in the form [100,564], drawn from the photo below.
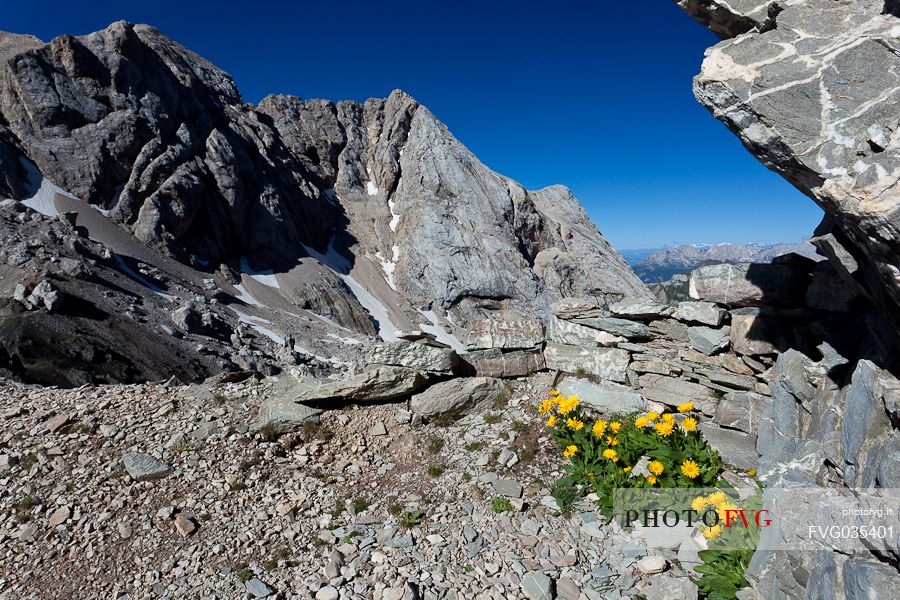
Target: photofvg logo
[771,519]
[728,518]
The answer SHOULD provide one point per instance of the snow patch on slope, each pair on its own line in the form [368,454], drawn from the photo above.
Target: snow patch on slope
[245,297]
[440,333]
[395,217]
[266,277]
[389,266]
[341,266]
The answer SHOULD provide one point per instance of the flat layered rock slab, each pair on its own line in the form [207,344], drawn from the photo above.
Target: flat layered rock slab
[413,356]
[373,385]
[672,391]
[749,284]
[604,397]
[486,334]
[281,412]
[143,467]
[459,395]
[736,447]
[641,308]
[606,363]
[510,364]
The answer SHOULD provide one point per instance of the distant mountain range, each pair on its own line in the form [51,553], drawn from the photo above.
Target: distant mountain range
[653,265]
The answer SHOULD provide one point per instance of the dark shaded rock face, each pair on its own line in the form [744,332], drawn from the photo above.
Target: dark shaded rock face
[130,121]
[813,90]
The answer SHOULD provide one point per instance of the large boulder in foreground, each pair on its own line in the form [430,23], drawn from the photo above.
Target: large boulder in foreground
[749,284]
[457,396]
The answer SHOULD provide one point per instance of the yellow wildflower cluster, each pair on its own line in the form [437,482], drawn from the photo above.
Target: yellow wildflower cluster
[690,469]
[573,423]
[570,451]
[720,503]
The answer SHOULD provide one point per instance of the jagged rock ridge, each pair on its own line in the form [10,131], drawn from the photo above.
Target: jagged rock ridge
[369,216]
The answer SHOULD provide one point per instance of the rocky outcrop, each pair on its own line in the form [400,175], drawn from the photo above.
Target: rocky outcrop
[371,214]
[812,90]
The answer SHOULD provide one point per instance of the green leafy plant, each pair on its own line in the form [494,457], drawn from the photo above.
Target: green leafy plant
[601,453]
[434,445]
[500,504]
[446,419]
[435,470]
[359,505]
[492,419]
[245,575]
[730,549]
[410,518]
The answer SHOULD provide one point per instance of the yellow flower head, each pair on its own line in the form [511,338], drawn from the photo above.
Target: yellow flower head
[689,424]
[555,393]
[698,503]
[687,406]
[599,428]
[611,441]
[690,469]
[545,407]
[611,454]
[615,426]
[713,532]
[668,418]
[573,423]
[722,510]
[570,451]
[655,467]
[651,479]
[716,498]
[664,428]
[641,421]
[552,421]
[626,469]
[752,472]
[653,415]
[567,405]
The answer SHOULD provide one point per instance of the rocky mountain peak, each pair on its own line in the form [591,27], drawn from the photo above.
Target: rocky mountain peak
[371,215]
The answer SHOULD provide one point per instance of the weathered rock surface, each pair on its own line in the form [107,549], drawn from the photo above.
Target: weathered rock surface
[672,392]
[749,284]
[619,327]
[457,396]
[604,397]
[504,335]
[281,412]
[143,467]
[812,90]
[709,340]
[640,308]
[373,385]
[413,356]
[706,313]
[497,363]
[606,363]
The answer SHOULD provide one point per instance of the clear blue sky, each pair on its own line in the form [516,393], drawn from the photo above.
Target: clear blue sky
[595,95]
